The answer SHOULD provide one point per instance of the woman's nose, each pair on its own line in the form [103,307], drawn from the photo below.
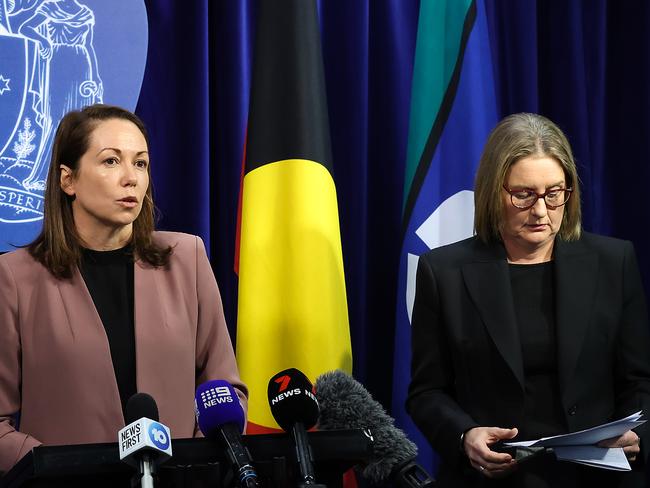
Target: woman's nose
[540,207]
[129,177]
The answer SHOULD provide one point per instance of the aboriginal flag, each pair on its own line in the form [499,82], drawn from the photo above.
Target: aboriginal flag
[292,310]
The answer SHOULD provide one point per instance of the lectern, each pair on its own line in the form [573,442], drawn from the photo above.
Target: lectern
[195,463]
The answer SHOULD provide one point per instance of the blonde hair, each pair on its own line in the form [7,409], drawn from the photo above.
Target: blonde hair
[518,136]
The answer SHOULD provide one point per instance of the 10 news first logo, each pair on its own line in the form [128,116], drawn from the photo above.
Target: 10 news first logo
[146,434]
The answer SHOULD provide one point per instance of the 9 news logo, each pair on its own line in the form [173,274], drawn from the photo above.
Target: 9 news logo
[158,435]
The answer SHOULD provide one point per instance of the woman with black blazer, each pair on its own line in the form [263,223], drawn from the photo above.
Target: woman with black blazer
[532,327]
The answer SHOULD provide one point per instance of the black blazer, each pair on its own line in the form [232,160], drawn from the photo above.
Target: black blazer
[467,366]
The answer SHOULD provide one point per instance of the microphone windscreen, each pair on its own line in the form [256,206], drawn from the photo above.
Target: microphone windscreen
[346,404]
[292,400]
[140,405]
[216,404]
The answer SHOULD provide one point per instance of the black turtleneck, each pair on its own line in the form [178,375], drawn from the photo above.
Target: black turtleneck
[534,300]
[109,278]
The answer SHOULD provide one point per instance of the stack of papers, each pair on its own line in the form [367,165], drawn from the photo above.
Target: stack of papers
[580,447]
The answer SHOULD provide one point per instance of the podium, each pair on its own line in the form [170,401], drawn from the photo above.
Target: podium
[195,463]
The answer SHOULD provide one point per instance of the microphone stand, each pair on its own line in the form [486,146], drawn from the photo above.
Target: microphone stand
[304,457]
[412,475]
[146,473]
[238,455]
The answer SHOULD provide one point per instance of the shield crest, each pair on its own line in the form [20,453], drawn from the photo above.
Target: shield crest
[13,86]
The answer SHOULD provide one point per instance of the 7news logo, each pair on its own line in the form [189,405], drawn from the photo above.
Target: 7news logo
[283,381]
[215,396]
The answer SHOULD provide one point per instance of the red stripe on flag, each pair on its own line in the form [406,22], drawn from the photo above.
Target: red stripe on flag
[241,193]
[254,429]
[350,479]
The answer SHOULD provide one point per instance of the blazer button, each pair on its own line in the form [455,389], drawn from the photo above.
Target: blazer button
[572,410]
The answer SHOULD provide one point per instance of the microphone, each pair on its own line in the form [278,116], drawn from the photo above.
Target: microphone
[295,409]
[144,439]
[220,415]
[346,404]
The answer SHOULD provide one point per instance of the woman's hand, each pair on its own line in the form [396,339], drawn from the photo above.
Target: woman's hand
[629,441]
[477,442]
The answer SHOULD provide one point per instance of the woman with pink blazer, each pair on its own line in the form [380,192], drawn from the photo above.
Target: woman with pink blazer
[100,306]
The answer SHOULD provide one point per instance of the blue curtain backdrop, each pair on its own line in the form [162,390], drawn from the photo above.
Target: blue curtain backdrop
[583,64]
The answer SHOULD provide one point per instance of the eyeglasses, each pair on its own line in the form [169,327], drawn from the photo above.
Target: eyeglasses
[525,198]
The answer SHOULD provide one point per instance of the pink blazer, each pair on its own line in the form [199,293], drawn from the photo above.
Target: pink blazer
[55,361]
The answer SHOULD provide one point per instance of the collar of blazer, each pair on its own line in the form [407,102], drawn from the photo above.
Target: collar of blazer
[488,281]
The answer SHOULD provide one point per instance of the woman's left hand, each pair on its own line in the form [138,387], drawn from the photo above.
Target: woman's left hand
[629,441]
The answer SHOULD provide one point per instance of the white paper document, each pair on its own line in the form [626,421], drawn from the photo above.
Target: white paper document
[580,447]
[598,457]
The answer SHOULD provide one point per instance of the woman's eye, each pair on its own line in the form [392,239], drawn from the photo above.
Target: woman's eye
[142,164]
[523,195]
[111,161]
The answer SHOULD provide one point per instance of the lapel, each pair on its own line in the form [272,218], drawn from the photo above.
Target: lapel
[149,318]
[88,332]
[488,283]
[84,320]
[81,312]
[576,272]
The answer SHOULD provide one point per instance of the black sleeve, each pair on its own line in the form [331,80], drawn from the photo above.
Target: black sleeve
[633,349]
[430,400]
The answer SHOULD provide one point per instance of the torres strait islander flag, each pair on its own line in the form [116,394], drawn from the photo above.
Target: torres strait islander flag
[453,109]
[292,310]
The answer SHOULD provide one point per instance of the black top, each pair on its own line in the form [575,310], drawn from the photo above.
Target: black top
[109,278]
[532,290]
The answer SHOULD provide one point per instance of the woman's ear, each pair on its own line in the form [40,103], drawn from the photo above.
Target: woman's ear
[67,180]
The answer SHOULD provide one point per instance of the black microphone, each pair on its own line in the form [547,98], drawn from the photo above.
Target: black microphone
[346,404]
[295,409]
[220,415]
[144,439]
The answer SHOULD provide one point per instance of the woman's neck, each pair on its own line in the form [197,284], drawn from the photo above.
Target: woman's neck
[106,239]
[518,254]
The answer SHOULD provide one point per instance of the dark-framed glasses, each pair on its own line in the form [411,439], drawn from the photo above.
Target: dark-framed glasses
[525,198]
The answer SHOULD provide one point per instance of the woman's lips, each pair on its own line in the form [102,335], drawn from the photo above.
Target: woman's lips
[128,202]
[537,227]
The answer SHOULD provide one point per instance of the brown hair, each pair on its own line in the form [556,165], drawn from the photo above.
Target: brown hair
[58,247]
[518,136]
